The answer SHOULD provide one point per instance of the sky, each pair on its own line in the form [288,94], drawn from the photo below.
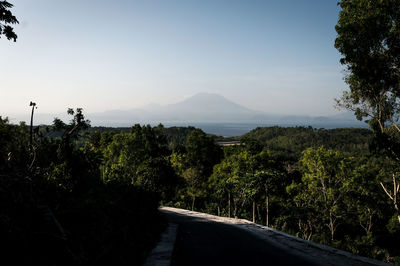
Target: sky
[273,56]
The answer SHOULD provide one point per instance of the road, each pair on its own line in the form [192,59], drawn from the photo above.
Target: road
[210,240]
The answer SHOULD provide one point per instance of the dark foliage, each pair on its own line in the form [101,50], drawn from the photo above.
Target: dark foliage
[7,19]
[55,208]
[291,141]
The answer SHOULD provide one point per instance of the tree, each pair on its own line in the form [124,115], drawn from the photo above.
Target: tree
[243,168]
[223,182]
[157,175]
[325,178]
[202,152]
[195,183]
[61,160]
[266,182]
[369,40]
[363,195]
[201,156]
[7,19]
[230,179]
[140,158]
[77,124]
[14,153]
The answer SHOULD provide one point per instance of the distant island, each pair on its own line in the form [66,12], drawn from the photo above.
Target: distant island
[214,108]
[217,115]
[213,113]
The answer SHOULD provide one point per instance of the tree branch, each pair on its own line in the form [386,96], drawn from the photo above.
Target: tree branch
[386,191]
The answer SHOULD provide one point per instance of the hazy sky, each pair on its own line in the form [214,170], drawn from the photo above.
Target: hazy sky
[275,56]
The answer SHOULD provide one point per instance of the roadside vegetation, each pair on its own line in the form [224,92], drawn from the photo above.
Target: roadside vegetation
[68,199]
[325,189]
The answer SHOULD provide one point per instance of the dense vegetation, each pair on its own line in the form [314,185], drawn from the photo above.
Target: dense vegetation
[369,41]
[290,142]
[321,185]
[69,199]
[90,195]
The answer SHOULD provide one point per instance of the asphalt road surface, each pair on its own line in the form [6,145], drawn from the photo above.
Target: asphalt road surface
[204,241]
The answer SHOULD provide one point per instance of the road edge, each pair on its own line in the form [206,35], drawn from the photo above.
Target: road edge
[161,255]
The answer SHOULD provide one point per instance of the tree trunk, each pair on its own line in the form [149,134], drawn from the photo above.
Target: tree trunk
[254,211]
[332,226]
[396,206]
[194,198]
[234,208]
[266,210]
[229,204]
[219,211]
[31,127]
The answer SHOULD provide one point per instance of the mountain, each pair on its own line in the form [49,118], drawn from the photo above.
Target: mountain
[200,108]
[211,112]
[208,103]
[214,108]
[206,107]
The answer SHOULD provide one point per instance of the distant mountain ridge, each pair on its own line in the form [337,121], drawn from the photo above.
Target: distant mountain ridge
[201,109]
[214,108]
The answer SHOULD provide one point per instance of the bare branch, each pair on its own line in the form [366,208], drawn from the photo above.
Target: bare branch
[386,191]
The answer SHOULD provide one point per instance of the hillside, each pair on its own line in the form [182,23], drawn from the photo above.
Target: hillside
[291,141]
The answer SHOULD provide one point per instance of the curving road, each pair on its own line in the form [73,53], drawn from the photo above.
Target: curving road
[204,239]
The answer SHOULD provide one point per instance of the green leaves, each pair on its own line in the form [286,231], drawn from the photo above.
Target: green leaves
[369,40]
[139,158]
[202,152]
[7,19]
[325,177]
